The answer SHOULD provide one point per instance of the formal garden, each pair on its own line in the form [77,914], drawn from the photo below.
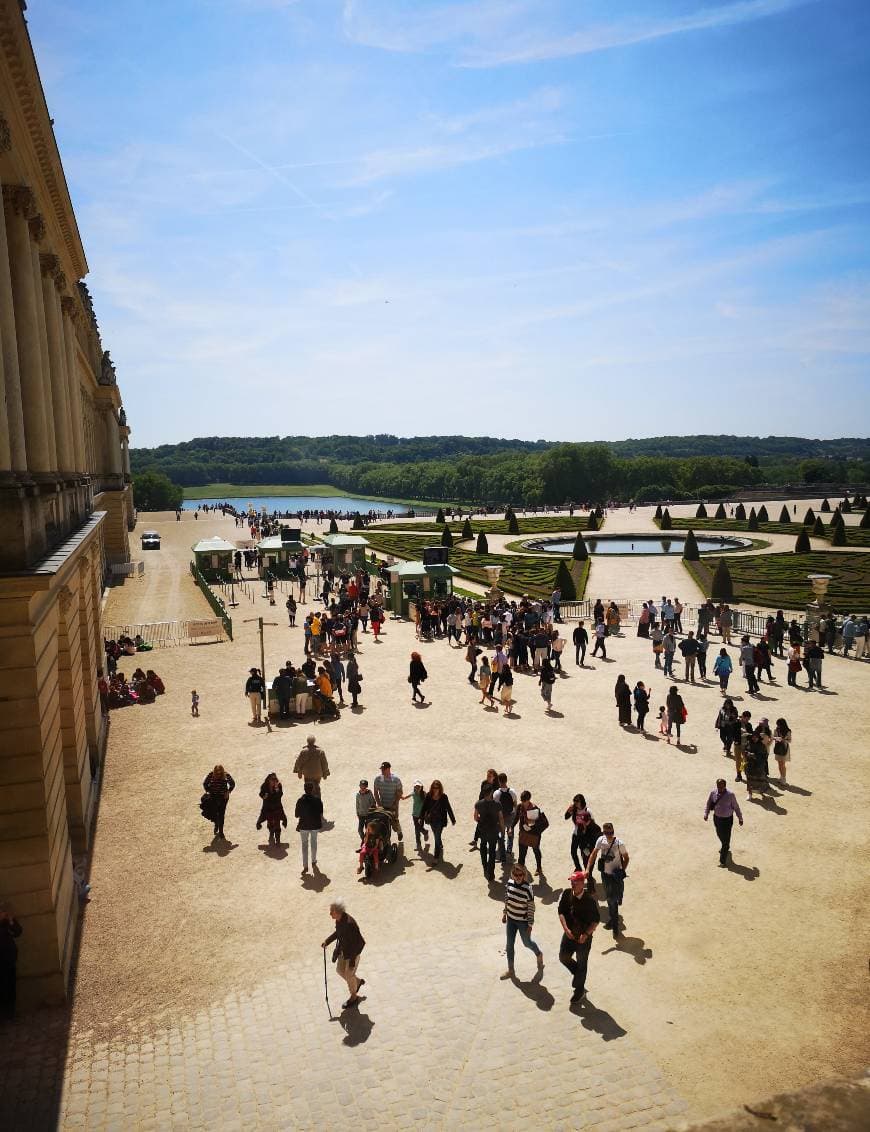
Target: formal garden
[779,581]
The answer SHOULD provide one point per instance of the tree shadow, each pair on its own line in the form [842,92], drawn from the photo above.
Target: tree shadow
[597,1021]
[220,846]
[747,872]
[276,852]
[632,945]
[535,990]
[315,881]
[356,1025]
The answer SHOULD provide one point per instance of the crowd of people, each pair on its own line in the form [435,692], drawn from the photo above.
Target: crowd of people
[114,689]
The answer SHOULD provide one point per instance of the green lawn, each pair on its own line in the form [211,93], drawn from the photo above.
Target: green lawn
[534,575]
[256,490]
[774,581]
[854,535]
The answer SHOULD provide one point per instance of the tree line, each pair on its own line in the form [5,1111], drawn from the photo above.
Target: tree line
[485,469]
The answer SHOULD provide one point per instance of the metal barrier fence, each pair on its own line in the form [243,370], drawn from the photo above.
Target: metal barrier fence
[166,634]
[753,622]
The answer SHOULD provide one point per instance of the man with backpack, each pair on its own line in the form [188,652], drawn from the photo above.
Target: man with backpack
[507,800]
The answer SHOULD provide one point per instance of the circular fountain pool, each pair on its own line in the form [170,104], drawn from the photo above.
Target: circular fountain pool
[637,544]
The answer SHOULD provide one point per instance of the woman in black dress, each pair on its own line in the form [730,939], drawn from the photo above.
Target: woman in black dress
[437,812]
[416,675]
[622,692]
[218,785]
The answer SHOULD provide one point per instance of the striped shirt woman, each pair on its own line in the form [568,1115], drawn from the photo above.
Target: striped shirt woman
[518,917]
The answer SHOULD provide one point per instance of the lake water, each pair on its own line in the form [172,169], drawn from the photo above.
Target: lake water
[301,503]
[627,545]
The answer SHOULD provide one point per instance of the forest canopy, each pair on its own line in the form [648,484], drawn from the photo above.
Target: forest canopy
[487,469]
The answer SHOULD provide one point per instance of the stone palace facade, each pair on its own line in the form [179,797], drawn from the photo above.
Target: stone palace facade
[65,511]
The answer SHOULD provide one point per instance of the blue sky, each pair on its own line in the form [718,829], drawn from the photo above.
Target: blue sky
[569,219]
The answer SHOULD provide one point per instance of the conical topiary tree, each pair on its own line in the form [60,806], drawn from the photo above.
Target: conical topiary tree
[836,517]
[666,523]
[658,513]
[565,582]
[592,522]
[838,538]
[810,517]
[701,513]
[763,516]
[720,512]
[826,507]
[357,524]
[446,536]
[818,528]
[690,549]
[580,551]
[865,520]
[740,512]
[467,532]
[846,506]
[784,516]
[722,588]
[333,527]
[508,512]
[439,518]
[513,525]
[482,544]
[802,542]
[752,521]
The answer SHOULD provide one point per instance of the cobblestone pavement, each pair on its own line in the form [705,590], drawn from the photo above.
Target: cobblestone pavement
[436,1043]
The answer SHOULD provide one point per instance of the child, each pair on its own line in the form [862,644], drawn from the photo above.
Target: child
[365,803]
[371,847]
[194,703]
[663,720]
[417,799]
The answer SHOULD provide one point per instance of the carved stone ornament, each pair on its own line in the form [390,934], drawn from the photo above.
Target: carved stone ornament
[49,264]
[88,304]
[64,599]
[5,135]
[107,370]
[37,228]
[69,308]
[20,199]
[85,563]
[122,416]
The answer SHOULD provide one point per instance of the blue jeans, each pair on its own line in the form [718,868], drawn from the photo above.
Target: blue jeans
[525,930]
[488,842]
[436,834]
[669,663]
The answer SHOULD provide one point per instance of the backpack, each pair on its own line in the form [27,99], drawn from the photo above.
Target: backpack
[507,803]
[541,824]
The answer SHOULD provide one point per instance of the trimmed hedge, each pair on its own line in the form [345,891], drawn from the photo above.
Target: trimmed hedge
[779,581]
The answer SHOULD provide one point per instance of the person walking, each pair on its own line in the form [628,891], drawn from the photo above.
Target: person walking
[311,764]
[724,806]
[669,646]
[581,639]
[507,800]
[585,831]
[689,649]
[727,725]
[10,930]
[218,785]
[388,795]
[418,797]
[794,664]
[726,620]
[309,814]
[579,917]
[255,690]
[518,917]
[349,945]
[600,640]
[546,680]
[272,808]
[782,747]
[814,656]
[641,703]
[612,857]
[723,667]
[747,663]
[532,824]
[416,675]
[676,711]
[471,655]
[365,803]
[657,637]
[490,826]
[437,811]
[483,681]
[354,680]
[622,693]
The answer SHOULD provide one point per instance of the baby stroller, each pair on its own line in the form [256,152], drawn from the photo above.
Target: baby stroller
[377,847]
[324,705]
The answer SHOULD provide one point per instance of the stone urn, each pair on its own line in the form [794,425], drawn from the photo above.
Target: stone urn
[820,583]
[816,608]
[492,573]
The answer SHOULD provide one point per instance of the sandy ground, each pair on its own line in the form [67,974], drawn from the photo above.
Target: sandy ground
[735,983]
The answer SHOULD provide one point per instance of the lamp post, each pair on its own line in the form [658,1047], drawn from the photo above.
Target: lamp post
[260,624]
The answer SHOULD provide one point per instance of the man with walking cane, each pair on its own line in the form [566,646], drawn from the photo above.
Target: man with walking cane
[349,945]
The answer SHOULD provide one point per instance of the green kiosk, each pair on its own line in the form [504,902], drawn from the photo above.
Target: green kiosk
[214,558]
[277,551]
[345,551]
[416,581]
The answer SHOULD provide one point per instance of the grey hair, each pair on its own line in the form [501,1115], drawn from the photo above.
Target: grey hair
[339,904]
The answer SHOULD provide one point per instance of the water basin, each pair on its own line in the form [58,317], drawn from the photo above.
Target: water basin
[637,544]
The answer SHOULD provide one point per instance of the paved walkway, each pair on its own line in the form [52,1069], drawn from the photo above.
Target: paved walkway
[199,987]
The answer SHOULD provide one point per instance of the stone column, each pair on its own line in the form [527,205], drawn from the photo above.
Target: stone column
[54,280]
[12,450]
[20,326]
[68,313]
[113,442]
[37,234]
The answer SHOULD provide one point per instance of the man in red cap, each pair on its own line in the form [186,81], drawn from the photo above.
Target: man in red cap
[579,917]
